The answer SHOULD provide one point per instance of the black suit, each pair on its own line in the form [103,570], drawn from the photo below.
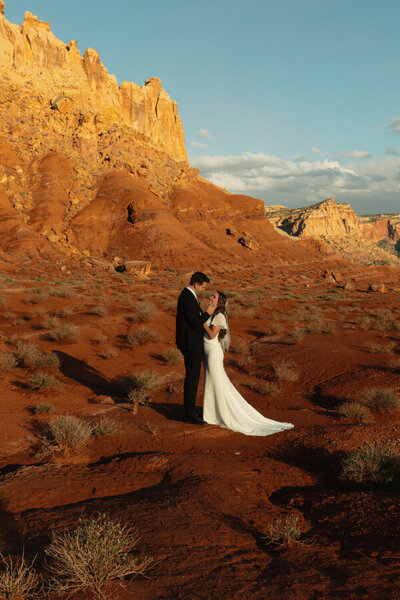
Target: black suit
[189,339]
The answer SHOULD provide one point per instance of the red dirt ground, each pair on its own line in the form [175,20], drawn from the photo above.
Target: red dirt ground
[202,497]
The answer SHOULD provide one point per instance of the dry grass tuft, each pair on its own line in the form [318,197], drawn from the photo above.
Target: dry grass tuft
[373,463]
[284,531]
[18,579]
[354,410]
[284,370]
[98,551]
[380,399]
[65,433]
[173,356]
[66,332]
[142,335]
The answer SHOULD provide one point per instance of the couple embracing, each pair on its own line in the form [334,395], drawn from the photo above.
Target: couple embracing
[205,336]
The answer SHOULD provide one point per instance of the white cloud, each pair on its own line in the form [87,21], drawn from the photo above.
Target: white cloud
[317,151]
[204,134]
[394,125]
[391,152]
[300,158]
[199,146]
[356,154]
[369,185]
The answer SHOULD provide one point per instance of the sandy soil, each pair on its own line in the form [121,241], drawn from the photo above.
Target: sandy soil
[202,497]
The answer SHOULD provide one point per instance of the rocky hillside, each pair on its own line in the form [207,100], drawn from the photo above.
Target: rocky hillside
[95,169]
[342,230]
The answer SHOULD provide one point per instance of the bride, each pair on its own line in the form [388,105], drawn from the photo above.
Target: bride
[223,405]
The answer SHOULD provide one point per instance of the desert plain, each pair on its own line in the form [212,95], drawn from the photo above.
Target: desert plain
[102,222]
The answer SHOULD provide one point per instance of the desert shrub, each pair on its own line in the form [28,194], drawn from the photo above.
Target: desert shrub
[36,295]
[298,334]
[380,399]
[18,579]
[65,312]
[142,335]
[173,356]
[373,463]
[314,325]
[379,348]
[66,332]
[249,313]
[284,531]
[328,327]
[30,355]
[105,426]
[43,381]
[393,363]
[241,346]
[144,312]
[235,310]
[108,353]
[99,338]
[7,361]
[284,370]
[140,384]
[99,310]
[268,388]
[273,328]
[354,410]
[66,432]
[363,322]
[50,322]
[42,408]
[63,292]
[92,555]
[9,315]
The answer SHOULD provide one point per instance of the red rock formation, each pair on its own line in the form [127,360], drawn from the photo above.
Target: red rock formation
[384,227]
[325,218]
[55,68]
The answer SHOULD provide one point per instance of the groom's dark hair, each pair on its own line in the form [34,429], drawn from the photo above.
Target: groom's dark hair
[198,277]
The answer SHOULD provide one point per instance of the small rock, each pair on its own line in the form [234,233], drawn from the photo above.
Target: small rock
[102,400]
[348,286]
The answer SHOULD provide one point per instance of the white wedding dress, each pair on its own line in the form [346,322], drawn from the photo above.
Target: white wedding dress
[223,405]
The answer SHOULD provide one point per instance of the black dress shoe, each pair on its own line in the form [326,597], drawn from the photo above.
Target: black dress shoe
[195,420]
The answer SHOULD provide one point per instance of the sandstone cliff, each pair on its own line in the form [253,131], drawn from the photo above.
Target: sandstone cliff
[325,218]
[78,93]
[341,229]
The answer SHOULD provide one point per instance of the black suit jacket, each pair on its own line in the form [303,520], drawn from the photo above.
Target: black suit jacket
[189,323]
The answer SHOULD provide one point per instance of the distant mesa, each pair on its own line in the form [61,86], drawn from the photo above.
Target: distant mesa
[338,226]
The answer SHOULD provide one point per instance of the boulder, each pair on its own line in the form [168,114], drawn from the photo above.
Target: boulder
[62,103]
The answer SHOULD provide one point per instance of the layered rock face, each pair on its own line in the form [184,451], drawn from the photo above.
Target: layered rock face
[341,230]
[382,227]
[80,88]
[325,218]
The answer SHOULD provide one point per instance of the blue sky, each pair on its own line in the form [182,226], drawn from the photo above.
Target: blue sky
[290,101]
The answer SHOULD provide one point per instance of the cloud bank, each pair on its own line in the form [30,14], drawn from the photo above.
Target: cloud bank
[371,186]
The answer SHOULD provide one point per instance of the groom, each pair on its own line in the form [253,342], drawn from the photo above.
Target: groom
[189,339]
